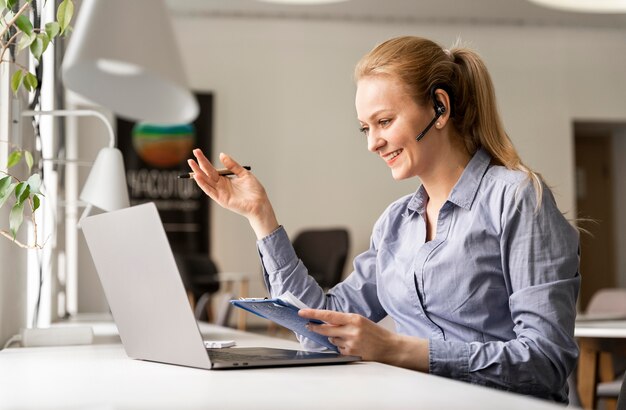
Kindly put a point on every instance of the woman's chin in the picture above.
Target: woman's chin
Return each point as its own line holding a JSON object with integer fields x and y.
{"x": 399, "y": 174}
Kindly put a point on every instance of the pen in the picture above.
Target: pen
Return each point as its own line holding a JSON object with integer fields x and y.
{"x": 222, "y": 172}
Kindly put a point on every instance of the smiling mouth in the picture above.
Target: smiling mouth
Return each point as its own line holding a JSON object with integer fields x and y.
{"x": 391, "y": 155}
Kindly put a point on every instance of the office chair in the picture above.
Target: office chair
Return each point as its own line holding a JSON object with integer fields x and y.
{"x": 324, "y": 253}
{"x": 199, "y": 275}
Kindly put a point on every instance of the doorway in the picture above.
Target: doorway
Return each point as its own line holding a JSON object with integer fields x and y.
{"x": 596, "y": 204}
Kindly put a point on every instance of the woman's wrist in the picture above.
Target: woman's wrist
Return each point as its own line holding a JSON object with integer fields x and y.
{"x": 410, "y": 353}
{"x": 264, "y": 223}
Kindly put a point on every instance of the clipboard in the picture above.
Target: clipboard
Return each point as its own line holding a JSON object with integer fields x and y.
{"x": 284, "y": 313}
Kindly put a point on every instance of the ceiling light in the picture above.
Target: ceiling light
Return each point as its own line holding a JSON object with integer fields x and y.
{"x": 585, "y": 6}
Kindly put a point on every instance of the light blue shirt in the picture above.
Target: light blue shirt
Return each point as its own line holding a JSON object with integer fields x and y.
{"x": 494, "y": 292}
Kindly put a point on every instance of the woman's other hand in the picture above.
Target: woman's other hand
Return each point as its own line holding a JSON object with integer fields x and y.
{"x": 356, "y": 335}
{"x": 242, "y": 193}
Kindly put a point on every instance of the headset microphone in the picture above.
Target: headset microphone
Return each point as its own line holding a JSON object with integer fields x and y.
{"x": 440, "y": 109}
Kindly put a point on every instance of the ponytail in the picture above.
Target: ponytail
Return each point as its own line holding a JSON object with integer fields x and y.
{"x": 478, "y": 120}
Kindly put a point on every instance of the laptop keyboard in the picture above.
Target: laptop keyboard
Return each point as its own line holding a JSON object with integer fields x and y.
{"x": 244, "y": 354}
{"x": 231, "y": 355}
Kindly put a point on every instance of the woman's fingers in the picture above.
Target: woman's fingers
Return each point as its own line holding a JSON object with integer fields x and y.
{"x": 232, "y": 165}
{"x": 202, "y": 179}
{"x": 335, "y": 322}
{"x": 328, "y": 316}
{"x": 205, "y": 165}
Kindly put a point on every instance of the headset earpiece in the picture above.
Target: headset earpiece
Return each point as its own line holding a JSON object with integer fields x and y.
{"x": 440, "y": 109}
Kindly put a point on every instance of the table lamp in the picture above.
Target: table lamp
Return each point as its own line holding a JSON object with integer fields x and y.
{"x": 122, "y": 55}
{"x": 105, "y": 187}
{"x": 136, "y": 73}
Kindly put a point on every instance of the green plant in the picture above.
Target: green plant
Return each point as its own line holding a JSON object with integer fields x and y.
{"x": 18, "y": 33}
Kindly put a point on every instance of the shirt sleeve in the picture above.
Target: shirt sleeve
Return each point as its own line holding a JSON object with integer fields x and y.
{"x": 283, "y": 271}
{"x": 539, "y": 251}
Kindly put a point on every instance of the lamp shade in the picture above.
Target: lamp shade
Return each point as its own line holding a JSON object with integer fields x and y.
{"x": 586, "y": 6}
{"x": 106, "y": 184}
{"x": 122, "y": 55}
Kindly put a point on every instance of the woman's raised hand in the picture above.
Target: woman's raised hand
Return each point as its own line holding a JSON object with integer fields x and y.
{"x": 242, "y": 193}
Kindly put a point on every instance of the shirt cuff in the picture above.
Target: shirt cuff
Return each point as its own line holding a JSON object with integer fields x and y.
{"x": 449, "y": 359}
{"x": 276, "y": 250}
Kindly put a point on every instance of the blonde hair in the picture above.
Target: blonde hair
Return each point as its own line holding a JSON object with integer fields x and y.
{"x": 423, "y": 66}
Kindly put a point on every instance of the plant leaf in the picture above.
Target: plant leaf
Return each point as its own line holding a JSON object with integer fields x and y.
{"x": 11, "y": 3}
{"x": 4, "y": 184}
{"x": 16, "y": 217}
{"x": 25, "y": 41}
{"x": 24, "y": 195}
{"x": 23, "y": 23}
{"x": 53, "y": 29}
{"x": 14, "y": 158}
{"x": 16, "y": 81}
{"x": 7, "y": 194}
{"x": 30, "y": 82}
{"x": 36, "y": 203}
{"x": 34, "y": 182}
{"x": 64, "y": 14}
{"x": 45, "y": 39}
{"x": 36, "y": 48}
{"x": 3, "y": 4}
{"x": 22, "y": 191}
{"x": 27, "y": 155}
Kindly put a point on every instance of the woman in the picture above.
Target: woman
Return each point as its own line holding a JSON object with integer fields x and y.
{"x": 478, "y": 268}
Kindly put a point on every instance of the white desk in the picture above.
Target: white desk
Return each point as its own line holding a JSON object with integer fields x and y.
{"x": 597, "y": 340}
{"x": 100, "y": 376}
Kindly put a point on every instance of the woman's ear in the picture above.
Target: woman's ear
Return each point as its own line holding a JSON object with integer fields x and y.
{"x": 442, "y": 107}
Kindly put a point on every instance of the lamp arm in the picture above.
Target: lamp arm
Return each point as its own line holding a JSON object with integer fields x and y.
{"x": 76, "y": 113}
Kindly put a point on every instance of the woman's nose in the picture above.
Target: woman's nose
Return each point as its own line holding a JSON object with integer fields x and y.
{"x": 374, "y": 142}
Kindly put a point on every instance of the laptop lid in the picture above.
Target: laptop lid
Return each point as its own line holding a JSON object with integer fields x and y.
{"x": 141, "y": 282}
{"x": 148, "y": 301}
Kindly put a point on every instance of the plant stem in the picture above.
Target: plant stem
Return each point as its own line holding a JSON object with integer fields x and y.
{"x": 11, "y": 175}
{"x": 9, "y": 236}
{"x": 10, "y": 23}
{"x": 6, "y": 46}
{"x": 23, "y": 67}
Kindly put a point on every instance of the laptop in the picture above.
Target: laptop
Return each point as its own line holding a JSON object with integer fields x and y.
{"x": 149, "y": 304}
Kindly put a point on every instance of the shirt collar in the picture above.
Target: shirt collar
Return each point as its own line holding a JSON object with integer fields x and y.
{"x": 464, "y": 191}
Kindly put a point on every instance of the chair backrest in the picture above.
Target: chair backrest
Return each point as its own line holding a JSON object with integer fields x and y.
{"x": 198, "y": 272}
{"x": 608, "y": 301}
{"x": 621, "y": 399}
{"x": 199, "y": 275}
{"x": 324, "y": 253}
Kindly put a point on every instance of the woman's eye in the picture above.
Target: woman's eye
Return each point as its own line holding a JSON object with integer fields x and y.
{"x": 364, "y": 130}
{"x": 384, "y": 122}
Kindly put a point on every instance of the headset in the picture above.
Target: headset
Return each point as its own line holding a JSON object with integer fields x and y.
{"x": 440, "y": 109}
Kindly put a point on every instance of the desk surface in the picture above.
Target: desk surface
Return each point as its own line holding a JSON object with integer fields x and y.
{"x": 601, "y": 328}
{"x": 101, "y": 376}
